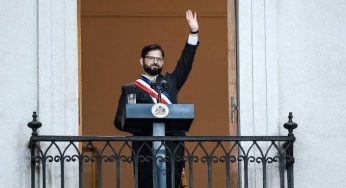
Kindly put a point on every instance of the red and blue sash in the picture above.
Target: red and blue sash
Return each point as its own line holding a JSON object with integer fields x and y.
{"x": 144, "y": 83}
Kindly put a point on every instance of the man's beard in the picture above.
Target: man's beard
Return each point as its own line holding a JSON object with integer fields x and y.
{"x": 152, "y": 70}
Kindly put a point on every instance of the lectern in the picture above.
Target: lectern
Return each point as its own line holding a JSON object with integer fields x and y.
{"x": 160, "y": 119}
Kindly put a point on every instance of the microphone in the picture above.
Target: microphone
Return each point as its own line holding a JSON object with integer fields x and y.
{"x": 153, "y": 85}
{"x": 164, "y": 84}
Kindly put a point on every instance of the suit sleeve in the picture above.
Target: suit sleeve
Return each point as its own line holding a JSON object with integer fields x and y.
{"x": 120, "y": 114}
{"x": 184, "y": 65}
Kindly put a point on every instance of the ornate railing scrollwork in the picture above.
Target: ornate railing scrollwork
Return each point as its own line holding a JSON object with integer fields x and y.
{"x": 243, "y": 153}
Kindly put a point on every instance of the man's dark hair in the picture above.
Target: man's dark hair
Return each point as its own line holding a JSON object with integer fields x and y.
{"x": 151, "y": 47}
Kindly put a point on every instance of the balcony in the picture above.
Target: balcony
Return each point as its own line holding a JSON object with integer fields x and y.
{"x": 209, "y": 161}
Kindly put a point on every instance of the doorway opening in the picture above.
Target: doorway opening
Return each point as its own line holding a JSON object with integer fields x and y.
{"x": 112, "y": 35}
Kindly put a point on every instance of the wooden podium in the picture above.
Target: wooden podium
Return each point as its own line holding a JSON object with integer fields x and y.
{"x": 146, "y": 117}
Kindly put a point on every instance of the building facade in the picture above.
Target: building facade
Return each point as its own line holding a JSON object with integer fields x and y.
{"x": 290, "y": 59}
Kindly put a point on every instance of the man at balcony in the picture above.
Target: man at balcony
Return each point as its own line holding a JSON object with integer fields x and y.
{"x": 152, "y": 61}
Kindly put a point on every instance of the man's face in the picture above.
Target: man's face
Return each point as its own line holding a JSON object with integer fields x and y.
{"x": 152, "y": 63}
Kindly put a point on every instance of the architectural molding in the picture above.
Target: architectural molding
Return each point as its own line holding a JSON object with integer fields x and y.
{"x": 258, "y": 77}
{"x": 58, "y": 75}
{"x": 258, "y": 69}
{"x": 151, "y": 14}
{"x": 58, "y": 66}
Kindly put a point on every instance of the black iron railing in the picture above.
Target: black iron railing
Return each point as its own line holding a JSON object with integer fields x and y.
{"x": 233, "y": 157}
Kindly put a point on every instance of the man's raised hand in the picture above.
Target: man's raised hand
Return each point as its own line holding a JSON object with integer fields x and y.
{"x": 192, "y": 20}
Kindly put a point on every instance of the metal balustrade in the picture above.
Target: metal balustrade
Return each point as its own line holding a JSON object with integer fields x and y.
{"x": 236, "y": 156}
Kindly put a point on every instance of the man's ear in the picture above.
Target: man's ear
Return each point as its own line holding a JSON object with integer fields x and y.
{"x": 141, "y": 61}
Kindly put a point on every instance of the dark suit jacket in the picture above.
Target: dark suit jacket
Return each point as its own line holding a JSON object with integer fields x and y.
{"x": 175, "y": 81}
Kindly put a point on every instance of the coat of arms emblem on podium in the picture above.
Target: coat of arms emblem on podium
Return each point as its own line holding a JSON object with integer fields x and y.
{"x": 160, "y": 110}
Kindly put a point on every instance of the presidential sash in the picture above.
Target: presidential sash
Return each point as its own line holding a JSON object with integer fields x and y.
{"x": 144, "y": 83}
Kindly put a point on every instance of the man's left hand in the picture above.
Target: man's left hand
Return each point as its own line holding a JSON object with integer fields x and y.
{"x": 192, "y": 20}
